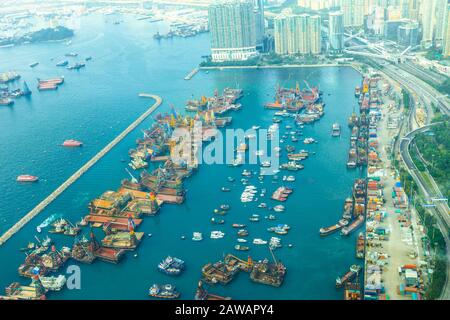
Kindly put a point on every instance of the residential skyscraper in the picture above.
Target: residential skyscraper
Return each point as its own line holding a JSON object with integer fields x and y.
{"x": 440, "y": 21}
{"x": 260, "y": 24}
{"x": 413, "y": 9}
{"x": 297, "y": 34}
{"x": 315, "y": 34}
{"x": 353, "y": 12}
{"x": 233, "y": 30}
{"x": 446, "y": 42}
{"x": 428, "y": 12}
{"x": 336, "y": 31}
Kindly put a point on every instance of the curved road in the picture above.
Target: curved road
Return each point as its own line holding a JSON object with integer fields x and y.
{"x": 441, "y": 211}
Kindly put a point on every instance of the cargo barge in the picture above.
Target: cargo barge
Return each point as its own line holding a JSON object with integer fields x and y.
{"x": 349, "y": 276}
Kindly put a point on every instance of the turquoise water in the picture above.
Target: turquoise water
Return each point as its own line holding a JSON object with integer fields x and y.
{"x": 99, "y": 101}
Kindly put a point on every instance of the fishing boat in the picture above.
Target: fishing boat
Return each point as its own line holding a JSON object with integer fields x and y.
{"x": 30, "y": 246}
{"x": 166, "y": 291}
{"x": 279, "y": 208}
{"x": 217, "y": 234}
{"x": 217, "y": 221}
{"x": 309, "y": 141}
{"x": 336, "y": 130}
{"x": 254, "y": 218}
{"x": 259, "y": 241}
{"x": 241, "y": 248}
{"x": 242, "y": 233}
{"x": 275, "y": 243}
{"x": 266, "y": 164}
{"x": 238, "y": 225}
{"x": 242, "y": 240}
{"x": 291, "y": 166}
{"x": 197, "y": 236}
{"x": 225, "y": 207}
{"x": 171, "y": 266}
{"x": 62, "y": 63}
{"x": 290, "y": 178}
{"x": 76, "y": 66}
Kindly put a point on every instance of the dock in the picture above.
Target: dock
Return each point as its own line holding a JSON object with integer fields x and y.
{"x": 41, "y": 206}
{"x": 192, "y": 74}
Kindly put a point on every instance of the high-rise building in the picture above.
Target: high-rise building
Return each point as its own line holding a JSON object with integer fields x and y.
{"x": 428, "y": 12}
{"x": 260, "y": 24}
{"x": 297, "y": 34}
{"x": 336, "y": 32}
{"x": 315, "y": 35}
{"x": 446, "y": 42}
{"x": 441, "y": 21}
{"x": 353, "y": 12}
{"x": 413, "y": 9}
{"x": 233, "y": 30}
{"x": 280, "y": 24}
{"x": 408, "y": 34}
{"x": 317, "y": 4}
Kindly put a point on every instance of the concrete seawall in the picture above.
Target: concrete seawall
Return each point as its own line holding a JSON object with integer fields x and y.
{"x": 41, "y": 206}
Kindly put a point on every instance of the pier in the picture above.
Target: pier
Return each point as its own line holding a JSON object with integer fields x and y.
{"x": 41, "y": 206}
{"x": 192, "y": 74}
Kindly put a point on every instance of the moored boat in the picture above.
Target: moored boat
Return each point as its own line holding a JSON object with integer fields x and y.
{"x": 27, "y": 178}
{"x": 166, "y": 291}
{"x": 72, "y": 143}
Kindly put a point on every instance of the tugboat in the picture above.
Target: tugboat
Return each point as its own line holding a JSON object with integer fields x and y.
{"x": 166, "y": 291}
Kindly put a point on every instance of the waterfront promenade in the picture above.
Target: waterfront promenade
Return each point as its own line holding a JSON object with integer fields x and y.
{"x": 41, "y": 206}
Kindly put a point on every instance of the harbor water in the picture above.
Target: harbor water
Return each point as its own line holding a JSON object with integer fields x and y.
{"x": 99, "y": 101}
